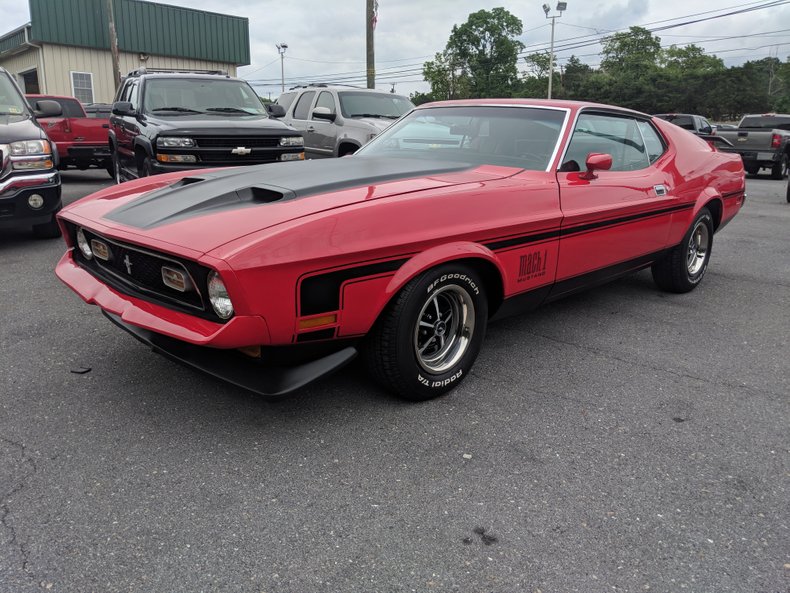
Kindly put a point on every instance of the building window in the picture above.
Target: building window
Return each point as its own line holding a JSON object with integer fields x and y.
{"x": 82, "y": 86}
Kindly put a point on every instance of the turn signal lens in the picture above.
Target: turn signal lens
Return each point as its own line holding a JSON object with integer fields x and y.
{"x": 317, "y": 321}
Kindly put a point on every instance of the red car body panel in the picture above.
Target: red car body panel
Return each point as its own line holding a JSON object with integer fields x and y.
{"x": 538, "y": 235}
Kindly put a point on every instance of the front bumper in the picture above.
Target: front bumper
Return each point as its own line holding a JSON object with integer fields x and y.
{"x": 15, "y": 191}
{"x": 200, "y": 343}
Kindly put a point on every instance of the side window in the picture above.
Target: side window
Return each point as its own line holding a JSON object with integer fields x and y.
{"x": 325, "y": 99}
{"x": 705, "y": 126}
{"x": 124, "y": 94}
{"x": 302, "y": 109}
{"x": 653, "y": 143}
{"x": 133, "y": 98}
{"x": 607, "y": 134}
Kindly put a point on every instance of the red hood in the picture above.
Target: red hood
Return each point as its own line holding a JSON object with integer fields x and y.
{"x": 202, "y": 210}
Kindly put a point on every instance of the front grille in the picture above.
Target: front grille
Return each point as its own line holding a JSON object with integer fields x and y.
{"x": 7, "y": 210}
{"x": 137, "y": 271}
{"x": 234, "y": 141}
{"x": 225, "y": 157}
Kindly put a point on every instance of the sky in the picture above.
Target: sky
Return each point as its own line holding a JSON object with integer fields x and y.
{"x": 326, "y": 38}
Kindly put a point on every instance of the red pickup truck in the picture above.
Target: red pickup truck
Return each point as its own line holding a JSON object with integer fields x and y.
{"x": 81, "y": 141}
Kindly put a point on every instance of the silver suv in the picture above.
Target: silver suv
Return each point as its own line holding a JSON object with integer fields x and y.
{"x": 337, "y": 120}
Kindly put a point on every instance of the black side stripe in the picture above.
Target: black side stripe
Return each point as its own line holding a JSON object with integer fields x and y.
{"x": 732, "y": 194}
{"x": 321, "y": 293}
{"x": 583, "y": 228}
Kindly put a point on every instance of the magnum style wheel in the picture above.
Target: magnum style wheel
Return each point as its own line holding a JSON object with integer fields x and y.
{"x": 427, "y": 339}
{"x": 682, "y": 269}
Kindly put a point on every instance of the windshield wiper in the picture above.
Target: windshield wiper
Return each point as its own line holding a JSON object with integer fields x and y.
{"x": 367, "y": 115}
{"x": 230, "y": 110}
{"x": 180, "y": 109}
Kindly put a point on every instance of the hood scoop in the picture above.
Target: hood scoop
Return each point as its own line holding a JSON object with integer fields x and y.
{"x": 192, "y": 196}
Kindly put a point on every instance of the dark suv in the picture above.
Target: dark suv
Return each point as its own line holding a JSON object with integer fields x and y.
{"x": 166, "y": 121}
{"x": 29, "y": 180}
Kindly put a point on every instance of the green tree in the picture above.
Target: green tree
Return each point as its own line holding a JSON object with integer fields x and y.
{"x": 447, "y": 79}
{"x": 632, "y": 52}
{"x": 692, "y": 58}
{"x": 486, "y": 50}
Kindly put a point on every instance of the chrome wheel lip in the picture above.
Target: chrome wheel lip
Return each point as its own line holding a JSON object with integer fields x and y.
{"x": 444, "y": 328}
{"x": 698, "y": 245}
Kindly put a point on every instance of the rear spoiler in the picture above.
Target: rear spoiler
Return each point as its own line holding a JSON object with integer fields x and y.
{"x": 717, "y": 142}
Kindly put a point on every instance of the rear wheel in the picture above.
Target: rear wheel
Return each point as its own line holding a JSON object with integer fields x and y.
{"x": 428, "y": 338}
{"x": 682, "y": 269}
{"x": 779, "y": 170}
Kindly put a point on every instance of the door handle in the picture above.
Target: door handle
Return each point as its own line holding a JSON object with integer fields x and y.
{"x": 310, "y": 129}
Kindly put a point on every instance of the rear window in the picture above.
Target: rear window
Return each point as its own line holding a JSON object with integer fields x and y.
{"x": 683, "y": 121}
{"x": 781, "y": 122}
{"x": 71, "y": 107}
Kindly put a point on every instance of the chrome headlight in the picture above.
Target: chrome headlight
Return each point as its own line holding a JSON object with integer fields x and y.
{"x": 30, "y": 147}
{"x": 174, "y": 142}
{"x": 218, "y": 295}
{"x": 291, "y": 141}
{"x": 83, "y": 244}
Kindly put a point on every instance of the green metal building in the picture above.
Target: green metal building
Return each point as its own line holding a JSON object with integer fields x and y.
{"x": 65, "y": 49}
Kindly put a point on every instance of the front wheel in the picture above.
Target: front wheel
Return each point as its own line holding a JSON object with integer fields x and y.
{"x": 428, "y": 338}
{"x": 682, "y": 269}
{"x": 779, "y": 170}
{"x": 116, "y": 168}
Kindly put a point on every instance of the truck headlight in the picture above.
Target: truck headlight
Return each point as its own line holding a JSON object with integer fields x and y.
{"x": 30, "y": 147}
{"x": 218, "y": 295}
{"x": 291, "y": 141}
{"x": 174, "y": 142}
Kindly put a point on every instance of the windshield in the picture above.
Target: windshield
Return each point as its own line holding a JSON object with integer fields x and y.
{"x": 781, "y": 122}
{"x": 174, "y": 96}
{"x": 523, "y": 137}
{"x": 385, "y": 105}
{"x": 11, "y": 102}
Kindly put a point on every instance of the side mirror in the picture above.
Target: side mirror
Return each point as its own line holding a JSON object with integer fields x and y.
{"x": 275, "y": 110}
{"x": 122, "y": 108}
{"x": 47, "y": 108}
{"x": 596, "y": 161}
{"x": 324, "y": 113}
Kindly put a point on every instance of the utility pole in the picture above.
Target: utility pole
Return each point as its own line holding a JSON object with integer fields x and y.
{"x": 281, "y": 47}
{"x": 116, "y": 68}
{"x": 371, "y": 17}
{"x": 561, "y": 6}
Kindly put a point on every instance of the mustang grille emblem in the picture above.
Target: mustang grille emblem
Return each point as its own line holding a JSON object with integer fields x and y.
{"x": 128, "y": 263}
{"x": 240, "y": 150}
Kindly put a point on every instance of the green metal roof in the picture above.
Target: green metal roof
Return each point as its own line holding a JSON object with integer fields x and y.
{"x": 12, "y": 39}
{"x": 158, "y": 29}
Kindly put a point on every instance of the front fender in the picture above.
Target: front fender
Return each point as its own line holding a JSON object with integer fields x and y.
{"x": 439, "y": 255}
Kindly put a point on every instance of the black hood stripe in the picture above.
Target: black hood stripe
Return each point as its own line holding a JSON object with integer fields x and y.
{"x": 219, "y": 191}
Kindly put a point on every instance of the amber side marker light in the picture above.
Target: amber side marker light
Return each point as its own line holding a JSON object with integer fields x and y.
{"x": 317, "y": 321}
{"x": 251, "y": 351}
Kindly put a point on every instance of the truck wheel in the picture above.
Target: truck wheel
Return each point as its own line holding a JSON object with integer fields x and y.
{"x": 788, "y": 192}
{"x": 147, "y": 169}
{"x": 116, "y": 168}
{"x": 779, "y": 170}
{"x": 48, "y": 230}
{"x": 682, "y": 269}
{"x": 428, "y": 338}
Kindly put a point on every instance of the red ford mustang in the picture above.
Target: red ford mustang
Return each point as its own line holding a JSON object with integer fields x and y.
{"x": 461, "y": 212}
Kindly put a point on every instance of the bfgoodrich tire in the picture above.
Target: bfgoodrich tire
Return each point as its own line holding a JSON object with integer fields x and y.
{"x": 426, "y": 341}
{"x": 682, "y": 269}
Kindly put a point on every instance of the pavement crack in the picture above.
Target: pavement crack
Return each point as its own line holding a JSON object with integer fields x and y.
{"x": 5, "y": 509}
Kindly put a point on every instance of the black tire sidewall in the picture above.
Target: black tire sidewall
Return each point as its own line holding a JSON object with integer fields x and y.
{"x": 419, "y": 382}
{"x": 706, "y": 217}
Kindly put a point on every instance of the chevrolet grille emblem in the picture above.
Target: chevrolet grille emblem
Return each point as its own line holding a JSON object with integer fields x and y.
{"x": 240, "y": 150}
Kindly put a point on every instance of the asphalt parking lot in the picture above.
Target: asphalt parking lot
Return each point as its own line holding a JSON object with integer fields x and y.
{"x": 619, "y": 440}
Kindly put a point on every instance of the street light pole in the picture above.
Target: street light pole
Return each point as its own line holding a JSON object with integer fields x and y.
{"x": 561, "y": 6}
{"x": 281, "y": 47}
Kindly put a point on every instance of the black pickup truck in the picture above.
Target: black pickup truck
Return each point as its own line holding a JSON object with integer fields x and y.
{"x": 166, "y": 121}
{"x": 29, "y": 180}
